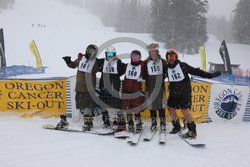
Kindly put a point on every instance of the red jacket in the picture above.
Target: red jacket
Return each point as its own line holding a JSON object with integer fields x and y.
{"x": 130, "y": 85}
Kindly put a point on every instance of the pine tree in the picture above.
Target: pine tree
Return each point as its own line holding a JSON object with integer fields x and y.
{"x": 241, "y": 23}
{"x": 5, "y": 4}
{"x": 133, "y": 16}
{"x": 179, "y": 24}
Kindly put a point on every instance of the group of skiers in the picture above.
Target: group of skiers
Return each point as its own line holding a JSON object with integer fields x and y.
{"x": 127, "y": 96}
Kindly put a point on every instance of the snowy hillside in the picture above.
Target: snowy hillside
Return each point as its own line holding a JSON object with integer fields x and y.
{"x": 61, "y": 30}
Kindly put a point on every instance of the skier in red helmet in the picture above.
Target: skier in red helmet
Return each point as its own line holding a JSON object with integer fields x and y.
{"x": 180, "y": 91}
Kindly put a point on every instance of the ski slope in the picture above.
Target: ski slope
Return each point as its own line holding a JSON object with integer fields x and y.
{"x": 66, "y": 30}
{"x": 24, "y": 143}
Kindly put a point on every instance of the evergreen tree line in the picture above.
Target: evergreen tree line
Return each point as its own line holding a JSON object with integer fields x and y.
{"x": 5, "y": 4}
{"x": 241, "y": 22}
{"x": 178, "y": 24}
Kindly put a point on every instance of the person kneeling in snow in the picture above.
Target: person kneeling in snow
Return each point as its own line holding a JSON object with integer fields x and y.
{"x": 87, "y": 67}
{"x": 180, "y": 91}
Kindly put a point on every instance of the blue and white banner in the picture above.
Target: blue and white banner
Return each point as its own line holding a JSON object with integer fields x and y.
{"x": 228, "y": 102}
{"x": 20, "y": 70}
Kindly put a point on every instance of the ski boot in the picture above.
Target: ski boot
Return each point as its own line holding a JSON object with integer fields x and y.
{"x": 163, "y": 126}
{"x": 106, "y": 121}
{"x": 119, "y": 123}
{"x": 153, "y": 125}
{"x": 138, "y": 128}
{"x": 191, "y": 134}
{"x": 88, "y": 124}
{"x": 153, "y": 116}
{"x": 176, "y": 127}
{"x": 130, "y": 123}
{"x": 63, "y": 124}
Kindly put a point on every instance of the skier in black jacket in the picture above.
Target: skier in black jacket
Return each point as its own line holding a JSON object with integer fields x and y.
{"x": 180, "y": 91}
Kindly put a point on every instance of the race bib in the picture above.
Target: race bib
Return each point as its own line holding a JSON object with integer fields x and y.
{"x": 110, "y": 67}
{"x": 155, "y": 68}
{"x": 175, "y": 74}
{"x": 86, "y": 65}
{"x": 133, "y": 72}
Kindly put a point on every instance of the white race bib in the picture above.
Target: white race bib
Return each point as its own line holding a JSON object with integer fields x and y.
{"x": 86, "y": 65}
{"x": 133, "y": 72}
{"x": 110, "y": 67}
{"x": 155, "y": 68}
{"x": 175, "y": 74}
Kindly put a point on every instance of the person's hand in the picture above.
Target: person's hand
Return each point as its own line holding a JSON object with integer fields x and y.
{"x": 215, "y": 74}
{"x": 67, "y": 59}
{"x": 79, "y": 56}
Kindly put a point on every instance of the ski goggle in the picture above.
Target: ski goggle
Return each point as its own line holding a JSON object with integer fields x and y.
{"x": 110, "y": 54}
{"x": 171, "y": 57}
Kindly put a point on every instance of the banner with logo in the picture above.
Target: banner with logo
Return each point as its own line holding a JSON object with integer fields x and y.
{"x": 33, "y": 98}
{"x": 200, "y": 97}
{"x": 228, "y": 102}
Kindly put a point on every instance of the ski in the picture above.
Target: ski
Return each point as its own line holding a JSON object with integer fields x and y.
{"x": 135, "y": 138}
{"x": 196, "y": 145}
{"x": 95, "y": 131}
{"x": 162, "y": 137}
{"x": 104, "y": 131}
{"x": 122, "y": 135}
{"x": 149, "y": 135}
{"x": 53, "y": 127}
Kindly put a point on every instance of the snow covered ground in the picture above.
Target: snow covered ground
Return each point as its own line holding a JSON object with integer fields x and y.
{"x": 23, "y": 143}
{"x": 66, "y": 30}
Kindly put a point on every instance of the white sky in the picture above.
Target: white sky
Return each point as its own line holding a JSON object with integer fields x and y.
{"x": 221, "y": 7}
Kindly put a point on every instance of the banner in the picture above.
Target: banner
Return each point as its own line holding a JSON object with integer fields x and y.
{"x": 33, "y": 97}
{"x": 35, "y": 52}
{"x": 225, "y": 57}
{"x": 200, "y": 97}
{"x": 20, "y": 70}
{"x": 228, "y": 102}
{"x": 203, "y": 58}
{"x": 2, "y": 50}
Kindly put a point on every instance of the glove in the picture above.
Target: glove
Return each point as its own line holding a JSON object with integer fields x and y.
{"x": 79, "y": 56}
{"x": 67, "y": 59}
{"x": 215, "y": 74}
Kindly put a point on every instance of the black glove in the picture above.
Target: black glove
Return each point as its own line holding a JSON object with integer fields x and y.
{"x": 215, "y": 74}
{"x": 67, "y": 59}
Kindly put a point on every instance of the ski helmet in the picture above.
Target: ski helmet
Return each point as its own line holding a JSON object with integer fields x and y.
{"x": 110, "y": 51}
{"x": 172, "y": 55}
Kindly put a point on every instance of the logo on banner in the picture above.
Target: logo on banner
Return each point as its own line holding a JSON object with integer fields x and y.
{"x": 227, "y": 104}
